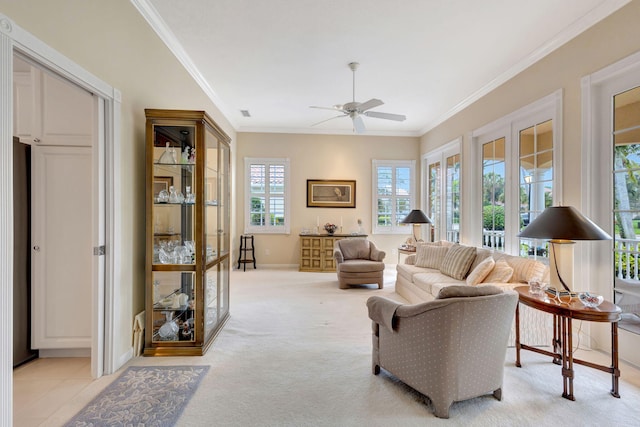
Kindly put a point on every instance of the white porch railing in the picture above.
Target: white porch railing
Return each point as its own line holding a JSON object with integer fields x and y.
{"x": 626, "y": 253}
{"x": 493, "y": 239}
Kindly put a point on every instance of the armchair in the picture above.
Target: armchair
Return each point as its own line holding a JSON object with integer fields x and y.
{"x": 358, "y": 262}
{"x": 449, "y": 349}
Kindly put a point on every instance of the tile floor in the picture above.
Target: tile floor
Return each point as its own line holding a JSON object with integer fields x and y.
{"x": 43, "y": 389}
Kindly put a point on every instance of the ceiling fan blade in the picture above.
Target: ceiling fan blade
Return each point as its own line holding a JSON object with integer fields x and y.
{"x": 388, "y": 116}
{"x": 330, "y": 118}
{"x": 334, "y": 108}
{"x": 358, "y": 124}
{"x": 367, "y": 105}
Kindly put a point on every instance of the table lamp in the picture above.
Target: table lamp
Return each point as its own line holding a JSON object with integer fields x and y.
{"x": 562, "y": 225}
{"x": 416, "y": 217}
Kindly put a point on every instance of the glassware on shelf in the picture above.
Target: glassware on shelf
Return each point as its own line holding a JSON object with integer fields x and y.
{"x": 163, "y": 196}
{"x": 169, "y": 330}
{"x": 169, "y": 155}
{"x": 185, "y": 155}
{"x": 190, "y": 198}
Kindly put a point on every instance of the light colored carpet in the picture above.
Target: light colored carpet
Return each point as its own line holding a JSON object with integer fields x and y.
{"x": 142, "y": 396}
{"x": 297, "y": 352}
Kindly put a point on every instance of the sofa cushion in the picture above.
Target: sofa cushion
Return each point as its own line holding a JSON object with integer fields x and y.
{"x": 481, "y": 271}
{"x": 457, "y": 291}
{"x": 457, "y": 261}
{"x": 360, "y": 266}
{"x": 354, "y": 248}
{"x": 430, "y": 256}
{"x": 425, "y": 281}
{"x": 526, "y": 269}
{"x": 501, "y": 272}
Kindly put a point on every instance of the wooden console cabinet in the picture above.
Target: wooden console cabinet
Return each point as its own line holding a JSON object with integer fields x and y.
{"x": 316, "y": 250}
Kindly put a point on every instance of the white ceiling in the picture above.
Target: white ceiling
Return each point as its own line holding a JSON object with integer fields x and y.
{"x": 426, "y": 59}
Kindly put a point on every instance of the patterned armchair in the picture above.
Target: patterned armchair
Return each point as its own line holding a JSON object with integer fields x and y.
{"x": 449, "y": 349}
{"x": 358, "y": 262}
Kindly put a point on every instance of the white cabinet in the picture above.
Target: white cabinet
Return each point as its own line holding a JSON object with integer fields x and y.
{"x": 49, "y": 110}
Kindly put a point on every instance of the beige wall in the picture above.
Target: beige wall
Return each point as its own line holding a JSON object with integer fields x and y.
{"x": 607, "y": 42}
{"x": 320, "y": 157}
{"x": 111, "y": 40}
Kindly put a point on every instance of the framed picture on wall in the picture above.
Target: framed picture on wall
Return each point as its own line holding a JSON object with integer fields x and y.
{"x": 325, "y": 193}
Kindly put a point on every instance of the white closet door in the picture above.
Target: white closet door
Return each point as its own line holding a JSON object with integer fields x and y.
{"x": 62, "y": 247}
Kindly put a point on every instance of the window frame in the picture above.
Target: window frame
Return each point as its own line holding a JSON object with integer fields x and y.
{"x": 399, "y": 228}
{"x": 509, "y": 126}
{"x": 267, "y": 228}
{"x": 440, "y": 155}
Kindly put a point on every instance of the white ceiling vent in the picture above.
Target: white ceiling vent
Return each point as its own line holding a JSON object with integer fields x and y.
{"x": 245, "y": 113}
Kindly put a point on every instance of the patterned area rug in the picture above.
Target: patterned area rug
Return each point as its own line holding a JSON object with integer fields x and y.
{"x": 143, "y": 396}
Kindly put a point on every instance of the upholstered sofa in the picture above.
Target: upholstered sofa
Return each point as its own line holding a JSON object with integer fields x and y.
{"x": 437, "y": 265}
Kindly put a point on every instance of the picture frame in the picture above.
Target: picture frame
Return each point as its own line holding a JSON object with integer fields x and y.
{"x": 161, "y": 183}
{"x": 326, "y": 193}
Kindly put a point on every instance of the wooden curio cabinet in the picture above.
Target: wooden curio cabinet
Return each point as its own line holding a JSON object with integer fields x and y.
{"x": 187, "y": 229}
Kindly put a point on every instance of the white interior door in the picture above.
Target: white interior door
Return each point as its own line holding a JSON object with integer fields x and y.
{"x": 62, "y": 249}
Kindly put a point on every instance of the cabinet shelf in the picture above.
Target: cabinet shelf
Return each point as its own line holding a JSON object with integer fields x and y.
{"x": 183, "y": 232}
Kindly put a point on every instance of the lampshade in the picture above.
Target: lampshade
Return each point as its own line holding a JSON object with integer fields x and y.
{"x": 563, "y": 223}
{"x": 416, "y": 216}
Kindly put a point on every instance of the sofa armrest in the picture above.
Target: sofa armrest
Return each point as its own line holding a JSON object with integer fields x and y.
{"x": 382, "y": 310}
{"x": 337, "y": 255}
{"x": 410, "y": 260}
{"x": 376, "y": 254}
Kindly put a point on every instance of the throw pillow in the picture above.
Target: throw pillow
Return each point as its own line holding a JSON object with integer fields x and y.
{"x": 526, "y": 269}
{"x": 457, "y": 261}
{"x": 481, "y": 271}
{"x": 456, "y": 291}
{"x": 430, "y": 256}
{"x": 501, "y": 273}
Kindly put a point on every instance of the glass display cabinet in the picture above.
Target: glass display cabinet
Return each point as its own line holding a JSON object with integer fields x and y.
{"x": 187, "y": 228}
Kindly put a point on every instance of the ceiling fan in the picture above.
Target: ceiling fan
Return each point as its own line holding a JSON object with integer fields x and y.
{"x": 356, "y": 110}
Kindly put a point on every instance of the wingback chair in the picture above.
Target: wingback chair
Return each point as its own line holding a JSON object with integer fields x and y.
{"x": 450, "y": 349}
{"x": 358, "y": 262}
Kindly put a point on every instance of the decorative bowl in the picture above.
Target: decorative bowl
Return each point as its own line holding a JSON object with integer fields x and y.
{"x": 590, "y": 300}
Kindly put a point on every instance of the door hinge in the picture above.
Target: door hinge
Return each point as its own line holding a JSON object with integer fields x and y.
{"x": 99, "y": 250}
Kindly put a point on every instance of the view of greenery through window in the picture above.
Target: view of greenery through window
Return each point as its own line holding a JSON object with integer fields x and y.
{"x": 394, "y": 194}
{"x": 267, "y": 195}
{"x": 536, "y": 181}
{"x": 626, "y": 209}
{"x": 493, "y": 193}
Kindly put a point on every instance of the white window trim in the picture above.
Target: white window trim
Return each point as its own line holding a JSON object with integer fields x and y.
{"x": 547, "y": 108}
{"x": 248, "y": 228}
{"x": 441, "y": 154}
{"x": 374, "y": 195}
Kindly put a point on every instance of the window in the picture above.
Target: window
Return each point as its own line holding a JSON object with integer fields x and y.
{"x": 267, "y": 192}
{"x": 452, "y": 191}
{"x": 442, "y": 191}
{"x": 433, "y": 199}
{"x": 536, "y": 181}
{"x": 626, "y": 206}
{"x": 518, "y": 156}
{"x": 493, "y": 194}
{"x": 393, "y": 195}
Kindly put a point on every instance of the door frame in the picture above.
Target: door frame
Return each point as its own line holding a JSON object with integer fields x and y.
{"x": 14, "y": 39}
{"x": 597, "y": 184}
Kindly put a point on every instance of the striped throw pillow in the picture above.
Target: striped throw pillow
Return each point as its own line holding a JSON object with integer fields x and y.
{"x": 457, "y": 261}
{"x": 430, "y": 256}
{"x": 501, "y": 273}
